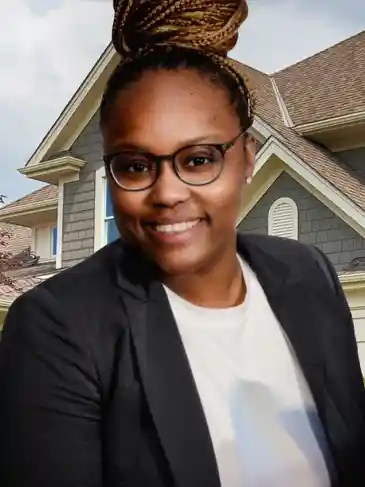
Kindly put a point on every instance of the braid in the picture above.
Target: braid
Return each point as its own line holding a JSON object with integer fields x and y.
{"x": 179, "y": 33}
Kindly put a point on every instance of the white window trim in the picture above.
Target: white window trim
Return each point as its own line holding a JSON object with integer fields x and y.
{"x": 100, "y": 209}
{"x": 54, "y": 256}
{"x": 49, "y": 229}
{"x": 293, "y": 207}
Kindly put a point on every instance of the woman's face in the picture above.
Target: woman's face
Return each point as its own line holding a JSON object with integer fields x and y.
{"x": 161, "y": 113}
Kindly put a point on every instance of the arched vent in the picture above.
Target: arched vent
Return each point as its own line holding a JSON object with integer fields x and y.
{"x": 283, "y": 219}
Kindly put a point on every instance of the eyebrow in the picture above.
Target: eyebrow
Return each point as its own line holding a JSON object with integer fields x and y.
{"x": 206, "y": 139}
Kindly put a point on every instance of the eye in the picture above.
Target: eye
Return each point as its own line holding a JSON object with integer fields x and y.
{"x": 131, "y": 164}
{"x": 137, "y": 167}
{"x": 200, "y": 156}
{"x": 198, "y": 160}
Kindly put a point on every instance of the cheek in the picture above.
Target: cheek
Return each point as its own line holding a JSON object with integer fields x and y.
{"x": 128, "y": 209}
{"x": 225, "y": 196}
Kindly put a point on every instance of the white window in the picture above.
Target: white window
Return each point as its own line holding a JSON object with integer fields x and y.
{"x": 283, "y": 219}
{"x": 105, "y": 227}
{"x": 45, "y": 242}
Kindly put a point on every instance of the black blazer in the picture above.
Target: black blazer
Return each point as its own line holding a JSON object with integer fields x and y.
{"x": 96, "y": 389}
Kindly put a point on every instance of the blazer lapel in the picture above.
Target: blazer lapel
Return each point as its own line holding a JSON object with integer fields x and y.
{"x": 164, "y": 368}
{"x": 170, "y": 390}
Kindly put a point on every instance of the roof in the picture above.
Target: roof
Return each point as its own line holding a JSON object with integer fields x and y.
{"x": 44, "y": 195}
{"x": 20, "y": 238}
{"x": 327, "y": 85}
{"x": 324, "y": 85}
{"x": 25, "y": 278}
{"x": 9, "y": 293}
{"x": 322, "y": 161}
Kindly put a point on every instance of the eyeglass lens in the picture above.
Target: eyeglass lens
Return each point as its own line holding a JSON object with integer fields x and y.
{"x": 195, "y": 165}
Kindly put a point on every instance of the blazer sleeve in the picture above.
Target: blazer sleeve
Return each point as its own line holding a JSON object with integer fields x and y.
{"x": 49, "y": 398}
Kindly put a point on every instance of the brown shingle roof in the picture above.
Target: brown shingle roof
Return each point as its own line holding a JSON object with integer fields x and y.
{"x": 42, "y": 195}
{"x": 10, "y": 293}
{"x": 326, "y": 85}
{"x": 20, "y": 238}
{"x": 320, "y": 160}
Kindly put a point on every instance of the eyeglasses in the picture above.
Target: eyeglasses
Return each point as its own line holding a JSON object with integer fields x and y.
{"x": 196, "y": 165}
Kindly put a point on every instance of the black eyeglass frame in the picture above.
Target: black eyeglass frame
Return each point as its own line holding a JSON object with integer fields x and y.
{"x": 157, "y": 160}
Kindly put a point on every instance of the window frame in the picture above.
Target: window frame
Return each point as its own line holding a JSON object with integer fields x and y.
{"x": 54, "y": 241}
{"x": 101, "y": 219}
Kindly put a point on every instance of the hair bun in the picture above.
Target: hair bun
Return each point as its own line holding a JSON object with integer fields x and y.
{"x": 207, "y": 25}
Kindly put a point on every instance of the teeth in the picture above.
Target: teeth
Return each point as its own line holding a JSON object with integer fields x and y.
{"x": 176, "y": 227}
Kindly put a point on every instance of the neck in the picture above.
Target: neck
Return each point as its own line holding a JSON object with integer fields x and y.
{"x": 218, "y": 285}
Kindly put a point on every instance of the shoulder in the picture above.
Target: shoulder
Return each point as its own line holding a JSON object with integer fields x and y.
{"x": 304, "y": 262}
{"x": 77, "y": 313}
{"x": 276, "y": 246}
{"x": 77, "y": 295}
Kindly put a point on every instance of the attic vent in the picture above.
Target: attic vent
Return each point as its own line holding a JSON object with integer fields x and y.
{"x": 283, "y": 219}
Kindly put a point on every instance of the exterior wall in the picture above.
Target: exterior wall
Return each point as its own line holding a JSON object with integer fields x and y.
{"x": 2, "y": 318}
{"x": 354, "y": 158}
{"x": 318, "y": 225}
{"x": 79, "y": 198}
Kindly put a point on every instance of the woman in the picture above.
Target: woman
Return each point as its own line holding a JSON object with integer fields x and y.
{"x": 182, "y": 355}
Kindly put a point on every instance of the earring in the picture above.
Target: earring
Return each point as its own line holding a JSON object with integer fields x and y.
{"x": 248, "y": 180}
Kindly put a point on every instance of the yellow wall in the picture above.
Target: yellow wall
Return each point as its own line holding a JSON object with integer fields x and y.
{"x": 2, "y": 317}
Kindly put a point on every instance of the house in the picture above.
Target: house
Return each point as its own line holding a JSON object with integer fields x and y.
{"x": 309, "y": 182}
{"x": 31, "y": 226}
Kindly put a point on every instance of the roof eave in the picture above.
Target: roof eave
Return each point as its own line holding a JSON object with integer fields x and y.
{"x": 5, "y": 303}
{"x": 62, "y": 133}
{"x": 353, "y": 281}
{"x": 335, "y": 123}
{"x": 53, "y": 170}
{"x": 20, "y": 215}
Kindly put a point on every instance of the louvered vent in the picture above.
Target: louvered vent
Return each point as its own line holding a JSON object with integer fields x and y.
{"x": 283, "y": 219}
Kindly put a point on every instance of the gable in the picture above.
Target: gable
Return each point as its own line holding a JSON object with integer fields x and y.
{"x": 355, "y": 159}
{"x": 317, "y": 224}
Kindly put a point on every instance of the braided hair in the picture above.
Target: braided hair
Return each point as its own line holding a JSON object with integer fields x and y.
{"x": 179, "y": 34}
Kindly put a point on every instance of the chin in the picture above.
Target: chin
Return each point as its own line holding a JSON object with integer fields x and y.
{"x": 179, "y": 263}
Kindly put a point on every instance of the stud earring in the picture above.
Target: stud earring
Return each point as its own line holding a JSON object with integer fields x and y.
{"x": 248, "y": 180}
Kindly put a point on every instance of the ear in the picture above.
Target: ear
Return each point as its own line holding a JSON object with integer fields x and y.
{"x": 249, "y": 146}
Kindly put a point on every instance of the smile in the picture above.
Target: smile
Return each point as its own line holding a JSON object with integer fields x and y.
{"x": 174, "y": 228}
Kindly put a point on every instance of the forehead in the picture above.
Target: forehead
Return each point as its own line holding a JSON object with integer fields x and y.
{"x": 164, "y": 109}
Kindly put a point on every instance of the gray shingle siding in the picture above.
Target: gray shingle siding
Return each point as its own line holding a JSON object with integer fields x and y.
{"x": 355, "y": 158}
{"x": 79, "y": 198}
{"x": 318, "y": 225}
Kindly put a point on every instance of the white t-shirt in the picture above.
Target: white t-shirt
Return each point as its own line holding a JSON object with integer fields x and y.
{"x": 261, "y": 416}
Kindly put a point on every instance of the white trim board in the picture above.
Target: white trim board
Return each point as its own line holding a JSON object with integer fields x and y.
{"x": 99, "y": 213}
{"x": 253, "y": 194}
{"x": 101, "y": 69}
{"x": 330, "y": 196}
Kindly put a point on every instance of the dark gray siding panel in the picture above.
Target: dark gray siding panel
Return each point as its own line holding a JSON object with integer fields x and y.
{"x": 355, "y": 158}
{"x": 79, "y": 198}
{"x": 318, "y": 225}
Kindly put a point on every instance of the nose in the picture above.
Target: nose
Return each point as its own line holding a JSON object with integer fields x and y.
{"x": 168, "y": 190}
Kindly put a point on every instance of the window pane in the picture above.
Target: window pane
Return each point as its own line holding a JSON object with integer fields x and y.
{"x": 54, "y": 241}
{"x": 108, "y": 203}
{"x": 111, "y": 230}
